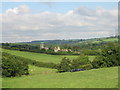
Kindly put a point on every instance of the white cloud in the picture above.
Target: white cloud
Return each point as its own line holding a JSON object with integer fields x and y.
{"x": 26, "y": 26}
{"x": 19, "y": 10}
{"x": 14, "y": 10}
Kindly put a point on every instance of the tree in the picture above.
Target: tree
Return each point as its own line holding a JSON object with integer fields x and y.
{"x": 64, "y": 65}
{"x": 81, "y": 62}
{"x": 108, "y": 57}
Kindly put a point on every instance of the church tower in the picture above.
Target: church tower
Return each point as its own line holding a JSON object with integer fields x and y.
{"x": 41, "y": 45}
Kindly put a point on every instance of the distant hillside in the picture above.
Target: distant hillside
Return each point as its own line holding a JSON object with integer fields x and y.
{"x": 93, "y": 40}
{"x": 56, "y": 41}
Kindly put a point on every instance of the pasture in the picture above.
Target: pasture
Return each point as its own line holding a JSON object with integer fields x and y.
{"x": 42, "y": 57}
{"x": 105, "y": 40}
{"x": 48, "y": 78}
{"x": 39, "y": 56}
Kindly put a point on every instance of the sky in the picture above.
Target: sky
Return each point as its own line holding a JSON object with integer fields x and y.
{"x": 28, "y": 21}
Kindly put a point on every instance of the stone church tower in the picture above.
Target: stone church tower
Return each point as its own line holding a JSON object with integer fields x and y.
{"x": 42, "y": 46}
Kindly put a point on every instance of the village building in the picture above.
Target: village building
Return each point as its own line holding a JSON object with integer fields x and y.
{"x": 66, "y": 50}
{"x": 43, "y": 47}
{"x": 56, "y": 49}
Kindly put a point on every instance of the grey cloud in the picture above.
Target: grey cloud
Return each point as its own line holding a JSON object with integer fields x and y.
{"x": 84, "y": 11}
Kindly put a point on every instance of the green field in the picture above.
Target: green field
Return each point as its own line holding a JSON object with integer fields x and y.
{"x": 105, "y": 40}
{"x": 110, "y": 39}
{"x": 42, "y": 57}
{"x": 39, "y": 56}
{"x": 48, "y": 78}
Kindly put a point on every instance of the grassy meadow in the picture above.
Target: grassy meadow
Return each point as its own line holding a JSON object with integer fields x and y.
{"x": 48, "y": 78}
{"x": 42, "y": 57}
{"x": 39, "y": 56}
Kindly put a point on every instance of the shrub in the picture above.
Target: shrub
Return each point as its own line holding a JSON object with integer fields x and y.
{"x": 86, "y": 66}
{"x": 64, "y": 65}
{"x": 13, "y": 66}
{"x": 81, "y": 60}
{"x": 99, "y": 63}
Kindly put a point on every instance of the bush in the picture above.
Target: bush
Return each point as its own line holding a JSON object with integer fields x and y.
{"x": 13, "y": 66}
{"x": 86, "y": 66}
{"x": 81, "y": 60}
{"x": 98, "y": 62}
{"x": 64, "y": 65}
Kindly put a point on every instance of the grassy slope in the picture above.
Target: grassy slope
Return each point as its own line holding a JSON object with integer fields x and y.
{"x": 42, "y": 57}
{"x": 106, "y": 40}
{"x": 110, "y": 39}
{"x": 47, "y": 78}
{"x": 39, "y": 56}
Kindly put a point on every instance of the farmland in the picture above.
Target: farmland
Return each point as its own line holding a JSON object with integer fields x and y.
{"x": 39, "y": 56}
{"x": 48, "y": 78}
{"x": 42, "y": 57}
{"x": 41, "y": 77}
{"x": 51, "y": 45}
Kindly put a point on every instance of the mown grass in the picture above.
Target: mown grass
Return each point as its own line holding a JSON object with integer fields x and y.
{"x": 48, "y": 78}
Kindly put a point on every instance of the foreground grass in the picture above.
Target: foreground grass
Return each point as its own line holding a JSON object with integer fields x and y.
{"x": 36, "y": 70}
{"x": 48, "y": 78}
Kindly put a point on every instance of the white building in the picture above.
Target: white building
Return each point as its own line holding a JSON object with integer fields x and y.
{"x": 56, "y": 49}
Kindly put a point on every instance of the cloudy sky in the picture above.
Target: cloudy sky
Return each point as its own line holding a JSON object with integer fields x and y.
{"x": 29, "y": 21}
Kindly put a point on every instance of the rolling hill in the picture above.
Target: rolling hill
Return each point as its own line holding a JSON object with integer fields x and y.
{"x": 73, "y": 41}
{"x": 48, "y": 78}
